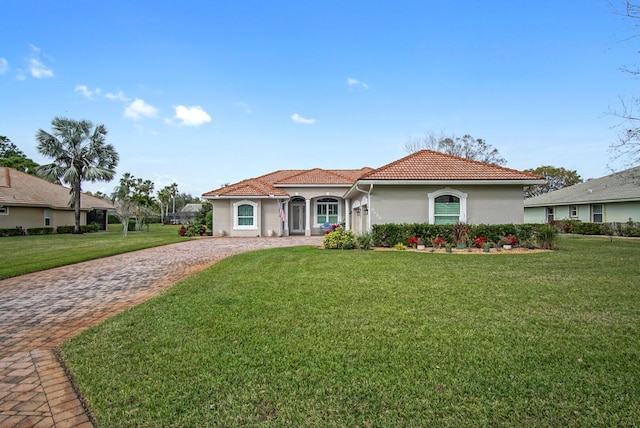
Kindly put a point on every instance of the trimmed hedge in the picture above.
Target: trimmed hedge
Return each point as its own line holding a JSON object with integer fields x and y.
{"x": 388, "y": 235}
{"x": 85, "y": 228}
{"x": 14, "y": 231}
{"x": 629, "y": 228}
{"x": 40, "y": 231}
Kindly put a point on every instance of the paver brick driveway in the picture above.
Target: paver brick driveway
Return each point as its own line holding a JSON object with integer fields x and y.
{"x": 41, "y": 310}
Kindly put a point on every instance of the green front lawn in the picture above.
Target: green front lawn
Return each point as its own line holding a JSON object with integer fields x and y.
{"x": 310, "y": 337}
{"x": 25, "y": 254}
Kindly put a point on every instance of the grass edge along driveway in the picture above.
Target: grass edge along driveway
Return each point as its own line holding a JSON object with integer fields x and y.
{"x": 303, "y": 336}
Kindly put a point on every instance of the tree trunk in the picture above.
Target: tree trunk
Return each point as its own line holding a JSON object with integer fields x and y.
{"x": 76, "y": 190}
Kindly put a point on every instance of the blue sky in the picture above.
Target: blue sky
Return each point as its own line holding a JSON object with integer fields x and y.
{"x": 206, "y": 92}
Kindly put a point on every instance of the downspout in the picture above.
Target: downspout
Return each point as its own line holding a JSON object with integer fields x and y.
{"x": 368, "y": 193}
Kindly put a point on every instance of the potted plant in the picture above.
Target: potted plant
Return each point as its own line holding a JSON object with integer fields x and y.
{"x": 448, "y": 247}
{"x": 421, "y": 244}
{"x": 508, "y": 241}
{"x": 486, "y": 246}
{"x": 438, "y": 242}
{"x": 413, "y": 242}
{"x": 460, "y": 234}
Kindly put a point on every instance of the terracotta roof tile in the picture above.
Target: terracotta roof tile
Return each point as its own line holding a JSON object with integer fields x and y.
{"x": 267, "y": 184}
{"x": 20, "y": 189}
{"x": 431, "y": 165}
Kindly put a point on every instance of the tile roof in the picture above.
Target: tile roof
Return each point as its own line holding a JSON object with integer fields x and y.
{"x": 621, "y": 186}
{"x": 269, "y": 184}
{"x": 424, "y": 165}
{"x": 430, "y": 165}
{"x": 20, "y": 189}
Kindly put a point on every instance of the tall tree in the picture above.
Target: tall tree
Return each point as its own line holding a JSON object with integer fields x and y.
{"x": 464, "y": 147}
{"x": 11, "y": 156}
{"x": 164, "y": 196}
{"x": 80, "y": 153}
{"x": 627, "y": 147}
{"x": 557, "y": 178}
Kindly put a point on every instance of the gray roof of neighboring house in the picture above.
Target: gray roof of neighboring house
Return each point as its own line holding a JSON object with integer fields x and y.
{"x": 191, "y": 208}
{"x": 20, "y": 189}
{"x": 622, "y": 186}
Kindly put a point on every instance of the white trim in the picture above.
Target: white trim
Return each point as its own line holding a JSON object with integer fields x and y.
{"x": 447, "y": 191}
{"x": 255, "y": 206}
{"x": 315, "y": 209}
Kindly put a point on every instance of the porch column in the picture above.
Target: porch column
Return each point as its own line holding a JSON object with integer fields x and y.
{"x": 307, "y": 220}
{"x": 286, "y": 216}
{"x": 347, "y": 214}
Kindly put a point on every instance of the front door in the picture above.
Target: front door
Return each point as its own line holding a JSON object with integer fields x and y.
{"x": 297, "y": 218}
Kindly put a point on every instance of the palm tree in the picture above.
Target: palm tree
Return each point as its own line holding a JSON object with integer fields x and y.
{"x": 79, "y": 154}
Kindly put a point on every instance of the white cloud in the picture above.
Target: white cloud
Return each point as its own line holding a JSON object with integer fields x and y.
{"x": 355, "y": 82}
{"x": 36, "y": 67}
{"x": 191, "y": 116}
{"x": 116, "y": 97}
{"x": 246, "y": 107}
{"x": 299, "y": 119}
{"x": 39, "y": 70}
{"x": 139, "y": 109}
{"x": 4, "y": 65}
{"x": 86, "y": 91}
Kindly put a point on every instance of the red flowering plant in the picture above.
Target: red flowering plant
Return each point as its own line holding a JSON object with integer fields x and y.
{"x": 438, "y": 242}
{"x": 413, "y": 241}
{"x": 509, "y": 240}
{"x": 478, "y": 241}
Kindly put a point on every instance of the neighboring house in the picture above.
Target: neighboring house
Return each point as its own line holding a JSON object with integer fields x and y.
{"x": 424, "y": 187}
{"x": 614, "y": 198}
{"x": 188, "y": 213}
{"x": 27, "y": 201}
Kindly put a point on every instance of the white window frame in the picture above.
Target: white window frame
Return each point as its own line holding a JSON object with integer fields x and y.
{"x": 4, "y": 210}
{"x": 317, "y": 203}
{"x": 594, "y": 213}
{"x": 550, "y": 214}
{"x": 47, "y": 217}
{"x": 573, "y": 211}
{"x": 237, "y": 226}
{"x": 448, "y": 191}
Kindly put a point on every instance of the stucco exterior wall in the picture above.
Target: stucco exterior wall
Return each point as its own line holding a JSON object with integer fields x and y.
{"x": 410, "y": 204}
{"x": 28, "y": 217}
{"x": 221, "y": 217}
{"x": 622, "y": 212}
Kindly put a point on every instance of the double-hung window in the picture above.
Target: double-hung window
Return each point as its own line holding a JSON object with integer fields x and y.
{"x": 47, "y": 217}
{"x": 4, "y": 210}
{"x": 550, "y": 214}
{"x": 597, "y": 213}
{"x": 573, "y": 211}
{"x": 326, "y": 211}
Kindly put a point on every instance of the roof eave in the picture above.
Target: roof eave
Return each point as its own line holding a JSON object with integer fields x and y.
{"x": 218, "y": 197}
{"x": 524, "y": 182}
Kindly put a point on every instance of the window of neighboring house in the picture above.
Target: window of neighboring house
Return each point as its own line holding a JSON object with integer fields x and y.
{"x": 550, "y": 214}
{"x": 245, "y": 215}
{"x": 447, "y": 209}
{"x": 596, "y": 213}
{"x": 326, "y": 211}
{"x": 47, "y": 217}
{"x": 573, "y": 211}
{"x": 4, "y": 210}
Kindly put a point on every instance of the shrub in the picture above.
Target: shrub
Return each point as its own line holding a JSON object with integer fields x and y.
{"x": 194, "y": 229}
{"x": 40, "y": 231}
{"x": 339, "y": 239}
{"x": 13, "y": 231}
{"x": 364, "y": 241}
{"x": 547, "y": 237}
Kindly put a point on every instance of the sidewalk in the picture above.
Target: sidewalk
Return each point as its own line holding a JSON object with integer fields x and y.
{"x": 39, "y": 311}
